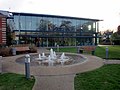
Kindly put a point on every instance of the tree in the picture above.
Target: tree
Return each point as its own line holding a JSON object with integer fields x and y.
{"x": 115, "y": 38}
{"x": 43, "y": 26}
{"x": 66, "y": 25}
{"x": 105, "y": 37}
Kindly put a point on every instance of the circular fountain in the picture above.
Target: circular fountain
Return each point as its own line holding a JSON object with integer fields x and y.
{"x": 53, "y": 59}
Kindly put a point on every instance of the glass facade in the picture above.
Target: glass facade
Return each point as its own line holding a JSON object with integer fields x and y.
{"x": 49, "y": 30}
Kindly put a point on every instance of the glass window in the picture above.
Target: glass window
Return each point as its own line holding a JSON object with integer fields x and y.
{"x": 28, "y": 23}
{"x": 94, "y": 25}
{"x": 43, "y": 26}
{"x": 16, "y": 21}
{"x": 73, "y": 24}
{"x": 85, "y": 24}
{"x": 50, "y": 24}
{"x": 34, "y": 23}
{"x": 89, "y": 27}
{"x": 55, "y": 21}
{"x": 38, "y": 21}
{"x": 22, "y": 23}
{"x": 59, "y": 22}
{"x": 78, "y": 25}
{"x": 11, "y": 24}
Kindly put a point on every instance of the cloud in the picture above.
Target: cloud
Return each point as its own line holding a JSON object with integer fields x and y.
{"x": 107, "y": 10}
{"x": 10, "y": 5}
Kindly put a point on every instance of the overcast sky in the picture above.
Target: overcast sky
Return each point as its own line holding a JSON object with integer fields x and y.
{"x": 107, "y": 10}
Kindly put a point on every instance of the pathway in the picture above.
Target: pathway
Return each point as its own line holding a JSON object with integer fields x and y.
{"x": 111, "y": 61}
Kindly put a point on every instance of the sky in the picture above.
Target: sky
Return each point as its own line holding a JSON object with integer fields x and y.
{"x": 106, "y": 10}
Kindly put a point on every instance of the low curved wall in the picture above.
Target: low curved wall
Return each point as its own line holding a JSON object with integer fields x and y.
{"x": 91, "y": 63}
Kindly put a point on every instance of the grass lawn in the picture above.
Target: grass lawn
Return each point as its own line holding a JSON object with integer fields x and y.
{"x": 104, "y": 78}
{"x": 10, "y": 81}
{"x": 114, "y": 51}
{"x": 68, "y": 49}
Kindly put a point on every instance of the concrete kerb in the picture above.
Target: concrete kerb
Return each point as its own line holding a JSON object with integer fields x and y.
{"x": 111, "y": 61}
{"x": 68, "y": 69}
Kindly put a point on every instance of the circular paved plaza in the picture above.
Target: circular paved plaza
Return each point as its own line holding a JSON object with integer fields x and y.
{"x": 52, "y": 77}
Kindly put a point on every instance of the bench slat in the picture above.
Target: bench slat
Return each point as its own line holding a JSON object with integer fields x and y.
{"x": 22, "y": 48}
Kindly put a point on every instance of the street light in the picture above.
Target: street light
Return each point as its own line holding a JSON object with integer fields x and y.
{"x": 0, "y": 64}
{"x": 27, "y": 66}
{"x": 19, "y": 28}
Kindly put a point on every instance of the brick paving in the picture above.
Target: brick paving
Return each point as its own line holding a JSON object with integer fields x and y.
{"x": 52, "y": 78}
{"x": 59, "y": 82}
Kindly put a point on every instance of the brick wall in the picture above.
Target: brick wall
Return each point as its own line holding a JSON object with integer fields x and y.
{"x": 2, "y": 30}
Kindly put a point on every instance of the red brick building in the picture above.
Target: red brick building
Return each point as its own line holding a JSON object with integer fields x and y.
{"x": 2, "y": 29}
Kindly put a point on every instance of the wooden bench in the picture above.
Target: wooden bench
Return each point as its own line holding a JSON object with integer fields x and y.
{"x": 22, "y": 49}
{"x": 91, "y": 49}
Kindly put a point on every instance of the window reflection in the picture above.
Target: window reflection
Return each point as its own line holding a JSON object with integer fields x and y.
{"x": 28, "y": 23}
{"x": 53, "y": 24}
{"x": 16, "y": 20}
{"x": 45, "y": 26}
{"x": 22, "y": 22}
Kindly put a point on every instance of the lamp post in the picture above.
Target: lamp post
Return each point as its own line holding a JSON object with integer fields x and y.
{"x": 0, "y": 64}
{"x": 81, "y": 30}
{"x": 107, "y": 52}
{"x": 27, "y": 66}
{"x": 58, "y": 48}
{"x": 19, "y": 29}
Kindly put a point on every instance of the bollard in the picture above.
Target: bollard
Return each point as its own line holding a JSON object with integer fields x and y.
{"x": 58, "y": 48}
{"x": 27, "y": 66}
{"x": 107, "y": 52}
{"x": 13, "y": 51}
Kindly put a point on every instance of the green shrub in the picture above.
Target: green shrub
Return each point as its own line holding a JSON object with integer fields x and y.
{"x": 33, "y": 49}
{"x": 6, "y": 51}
